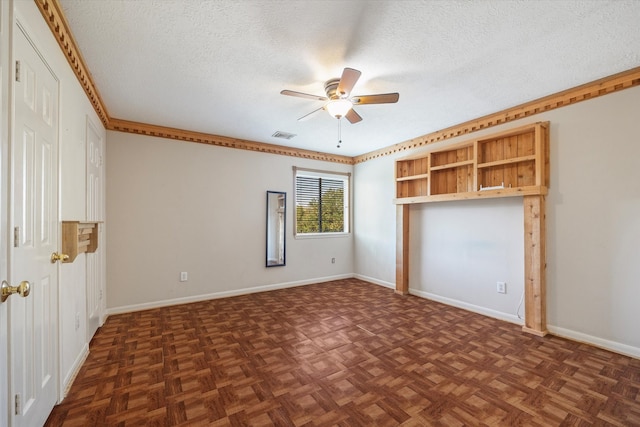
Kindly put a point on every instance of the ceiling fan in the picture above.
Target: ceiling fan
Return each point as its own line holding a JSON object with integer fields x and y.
{"x": 339, "y": 102}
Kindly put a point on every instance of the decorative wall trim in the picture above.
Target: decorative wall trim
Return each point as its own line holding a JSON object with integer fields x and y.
{"x": 604, "y": 86}
{"x": 52, "y": 13}
{"x": 222, "y": 141}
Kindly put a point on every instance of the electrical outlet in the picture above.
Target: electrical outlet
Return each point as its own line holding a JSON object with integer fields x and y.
{"x": 333, "y": 260}
{"x": 502, "y": 287}
{"x": 184, "y": 276}
{"x": 77, "y": 321}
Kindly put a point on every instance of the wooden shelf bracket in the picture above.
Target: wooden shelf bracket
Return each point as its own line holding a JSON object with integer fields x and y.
{"x": 78, "y": 237}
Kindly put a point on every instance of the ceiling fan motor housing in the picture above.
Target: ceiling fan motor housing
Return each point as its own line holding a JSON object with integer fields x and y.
{"x": 331, "y": 88}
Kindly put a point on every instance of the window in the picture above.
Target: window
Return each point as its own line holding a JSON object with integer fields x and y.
{"x": 322, "y": 202}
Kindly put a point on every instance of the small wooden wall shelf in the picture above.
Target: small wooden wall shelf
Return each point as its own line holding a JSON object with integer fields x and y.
{"x": 511, "y": 163}
{"x": 79, "y": 237}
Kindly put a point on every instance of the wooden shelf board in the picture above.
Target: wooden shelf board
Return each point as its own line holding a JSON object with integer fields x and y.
{"x": 507, "y": 161}
{"x": 452, "y": 165}
{"x": 412, "y": 177}
{"x": 533, "y": 190}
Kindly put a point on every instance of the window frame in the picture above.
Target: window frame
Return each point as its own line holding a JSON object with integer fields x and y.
{"x": 316, "y": 173}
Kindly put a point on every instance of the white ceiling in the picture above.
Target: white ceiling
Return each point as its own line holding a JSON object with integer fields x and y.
{"x": 218, "y": 66}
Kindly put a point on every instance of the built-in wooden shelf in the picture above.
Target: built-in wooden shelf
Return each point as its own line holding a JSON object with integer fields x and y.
{"x": 511, "y": 163}
{"x": 78, "y": 237}
{"x": 507, "y": 164}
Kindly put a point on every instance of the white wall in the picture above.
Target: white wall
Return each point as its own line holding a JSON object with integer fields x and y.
{"x": 460, "y": 249}
{"x": 176, "y": 206}
{"x": 375, "y": 221}
{"x": 594, "y": 220}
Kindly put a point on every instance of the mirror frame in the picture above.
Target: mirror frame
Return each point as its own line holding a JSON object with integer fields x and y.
{"x": 276, "y": 227}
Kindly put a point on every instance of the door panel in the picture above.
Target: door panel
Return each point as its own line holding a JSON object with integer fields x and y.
{"x": 24, "y": 175}
{"x": 95, "y": 196}
{"x": 33, "y": 319}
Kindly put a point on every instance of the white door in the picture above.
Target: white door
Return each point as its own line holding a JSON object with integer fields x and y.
{"x": 34, "y": 220}
{"x": 95, "y": 212}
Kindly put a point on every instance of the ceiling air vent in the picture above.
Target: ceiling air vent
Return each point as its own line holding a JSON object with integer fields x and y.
{"x": 283, "y": 135}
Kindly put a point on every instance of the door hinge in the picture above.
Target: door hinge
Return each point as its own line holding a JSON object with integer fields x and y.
{"x": 18, "y": 71}
{"x": 16, "y": 237}
{"x": 17, "y": 404}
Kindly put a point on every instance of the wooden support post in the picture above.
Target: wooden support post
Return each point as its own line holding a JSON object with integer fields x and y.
{"x": 535, "y": 266}
{"x": 402, "y": 249}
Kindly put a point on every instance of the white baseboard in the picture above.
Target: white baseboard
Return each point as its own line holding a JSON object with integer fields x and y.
{"x": 73, "y": 372}
{"x": 375, "y": 281}
{"x": 469, "y": 307}
{"x": 614, "y": 346}
{"x": 448, "y": 301}
{"x": 224, "y": 294}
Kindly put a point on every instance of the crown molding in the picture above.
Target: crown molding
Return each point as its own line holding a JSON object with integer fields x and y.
{"x": 53, "y": 16}
{"x": 222, "y": 141}
{"x": 52, "y": 13}
{"x": 55, "y": 19}
{"x": 604, "y": 86}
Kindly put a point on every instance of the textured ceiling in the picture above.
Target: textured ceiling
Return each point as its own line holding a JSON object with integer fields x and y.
{"x": 218, "y": 66}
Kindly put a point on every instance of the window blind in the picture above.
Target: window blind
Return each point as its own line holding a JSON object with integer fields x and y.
{"x": 320, "y": 205}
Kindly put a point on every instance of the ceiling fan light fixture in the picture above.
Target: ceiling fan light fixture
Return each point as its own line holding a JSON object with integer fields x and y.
{"x": 338, "y": 108}
{"x": 339, "y": 102}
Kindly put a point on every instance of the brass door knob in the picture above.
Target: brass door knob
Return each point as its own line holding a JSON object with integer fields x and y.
{"x": 22, "y": 289}
{"x": 58, "y": 257}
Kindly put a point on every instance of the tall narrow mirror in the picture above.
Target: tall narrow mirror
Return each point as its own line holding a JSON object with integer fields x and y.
{"x": 276, "y": 222}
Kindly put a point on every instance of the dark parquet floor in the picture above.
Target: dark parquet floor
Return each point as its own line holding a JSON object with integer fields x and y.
{"x": 345, "y": 353}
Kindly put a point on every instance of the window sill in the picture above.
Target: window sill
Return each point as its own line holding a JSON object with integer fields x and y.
{"x": 320, "y": 235}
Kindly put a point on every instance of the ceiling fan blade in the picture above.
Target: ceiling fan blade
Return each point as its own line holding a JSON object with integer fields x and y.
{"x": 306, "y": 116}
{"x": 383, "y": 98}
{"x": 347, "y": 82}
{"x": 303, "y": 95}
{"x": 352, "y": 116}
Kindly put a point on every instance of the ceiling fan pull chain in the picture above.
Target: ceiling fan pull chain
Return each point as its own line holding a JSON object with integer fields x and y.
{"x": 339, "y": 132}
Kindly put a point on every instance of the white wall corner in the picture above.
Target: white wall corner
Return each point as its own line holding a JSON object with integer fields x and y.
{"x": 375, "y": 281}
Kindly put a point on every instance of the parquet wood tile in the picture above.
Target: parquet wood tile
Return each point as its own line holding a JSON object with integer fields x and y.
{"x": 342, "y": 353}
